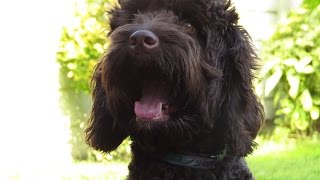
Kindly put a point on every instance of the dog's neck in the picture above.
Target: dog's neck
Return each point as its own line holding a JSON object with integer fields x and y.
{"x": 202, "y": 153}
{"x": 198, "y": 161}
{"x": 183, "y": 159}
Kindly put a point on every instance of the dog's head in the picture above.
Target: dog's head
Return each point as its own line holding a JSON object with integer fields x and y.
{"x": 175, "y": 67}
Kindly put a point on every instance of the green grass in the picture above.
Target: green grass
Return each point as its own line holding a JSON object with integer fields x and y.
{"x": 271, "y": 161}
{"x": 76, "y": 171}
{"x": 97, "y": 171}
{"x": 291, "y": 162}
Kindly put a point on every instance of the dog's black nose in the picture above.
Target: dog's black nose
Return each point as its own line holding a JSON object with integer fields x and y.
{"x": 143, "y": 41}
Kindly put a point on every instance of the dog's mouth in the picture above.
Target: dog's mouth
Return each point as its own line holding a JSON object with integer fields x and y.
{"x": 153, "y": 104}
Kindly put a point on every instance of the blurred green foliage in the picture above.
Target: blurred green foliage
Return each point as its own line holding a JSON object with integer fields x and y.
{"x": 82, "y": 43}
{"x": 311, "y": 3}
{"x": 291, "y": 74}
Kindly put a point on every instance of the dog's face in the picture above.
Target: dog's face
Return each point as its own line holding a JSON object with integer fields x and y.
{"x": 155, "y": 67}
{"x": 172, "y": 69}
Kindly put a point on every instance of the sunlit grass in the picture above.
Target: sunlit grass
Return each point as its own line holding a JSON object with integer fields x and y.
{"x": 292, "y": 162}
{"x": 271, "y": 161}
{"x": 95, "y": 171}
{"x": 76, "y": 171}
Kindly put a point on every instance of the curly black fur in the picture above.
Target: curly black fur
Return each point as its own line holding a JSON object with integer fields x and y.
{"x": 206, "y": 70}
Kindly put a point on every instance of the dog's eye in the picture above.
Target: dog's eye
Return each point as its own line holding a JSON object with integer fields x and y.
{"x": 188, "y": 27}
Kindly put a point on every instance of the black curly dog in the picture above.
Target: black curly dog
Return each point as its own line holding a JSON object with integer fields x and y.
{"x": 177, "y": 78}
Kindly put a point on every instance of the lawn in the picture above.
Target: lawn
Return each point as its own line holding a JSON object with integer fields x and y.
{"x": 271, "y": 161}
{"x": 292, "y": 162}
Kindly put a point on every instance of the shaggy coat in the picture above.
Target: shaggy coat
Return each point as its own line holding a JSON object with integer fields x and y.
{"x": 196, "y": 64}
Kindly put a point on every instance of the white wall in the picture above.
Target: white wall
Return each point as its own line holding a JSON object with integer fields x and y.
{"x": 33, "y": 132}
{"x": 259, "y": 17}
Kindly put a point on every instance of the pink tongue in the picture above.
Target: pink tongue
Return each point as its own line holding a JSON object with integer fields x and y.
{"x": 149, "y": 107}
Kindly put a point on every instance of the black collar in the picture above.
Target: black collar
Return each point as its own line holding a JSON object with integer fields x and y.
{"x": 195, "y": 160}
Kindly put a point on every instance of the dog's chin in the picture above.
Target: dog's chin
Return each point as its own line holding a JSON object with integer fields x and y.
{"x": 156, "y": 119}
{"x": 175, "y": 130}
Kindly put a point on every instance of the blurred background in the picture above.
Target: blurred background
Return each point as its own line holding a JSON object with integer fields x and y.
{"x": 48, "y": 49}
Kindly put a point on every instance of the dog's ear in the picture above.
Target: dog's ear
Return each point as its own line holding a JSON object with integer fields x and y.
{"x": 104, "y": 132}
{"x": 121, "y": 14}
{"x": 243, "y": 111}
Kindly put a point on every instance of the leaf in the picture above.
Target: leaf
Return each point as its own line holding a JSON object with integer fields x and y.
{"x": 70, "y": 74}
{"x": 268, "y": 66}
{"x": 314, "y": 113}
{"x": 290, "y": 62}
{"x": 283, "y": 111}
{"x": 72, "y": 66}
{"x": 307, "y": 69}
{"x": 259, "y": 89}
{"x": 294, "y": 82}
{"x": 305, "y": 61}
{"x": 303, "y": 65}
{"x": 306, "y": 100}
{"x": 302, "y": 124}
{"x": 272, "y": 81}
{"x": 99, "y": 47}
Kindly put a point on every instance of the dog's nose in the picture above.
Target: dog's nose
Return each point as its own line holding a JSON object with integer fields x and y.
{"x": 143, "y": 41}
